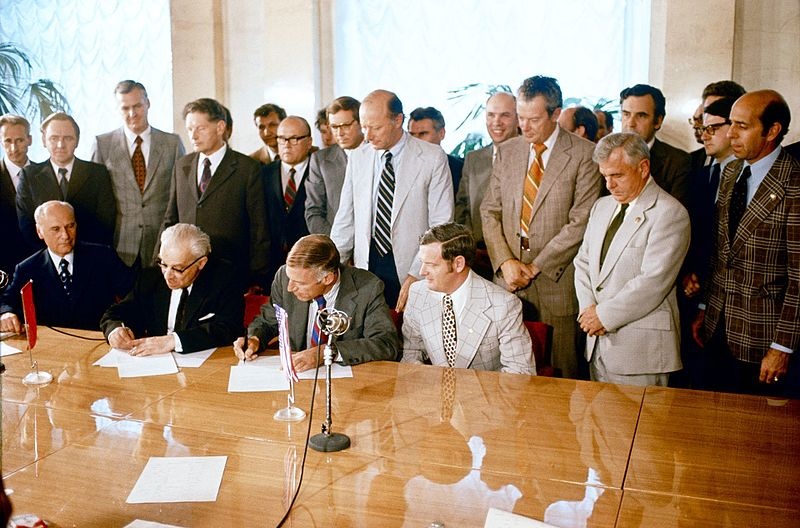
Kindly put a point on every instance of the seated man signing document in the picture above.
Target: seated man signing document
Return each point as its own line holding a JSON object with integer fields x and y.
{"x": 314, "y": 279}
{"x": 192, "y": 303}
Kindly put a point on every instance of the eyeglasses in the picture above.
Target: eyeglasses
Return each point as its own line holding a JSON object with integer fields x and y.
{"x": 341, "y": 126}
{"x": 712, "y": 129}
{"x": 696, "y": 122}
{"x": 293, "y": 140}
{"x": 180, "y": 271}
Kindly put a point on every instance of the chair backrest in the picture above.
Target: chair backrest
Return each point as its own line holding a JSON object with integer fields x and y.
{"x": 397, "y": 319}
{"x": 541, "y": 342}
{"x": 252, "y": 306}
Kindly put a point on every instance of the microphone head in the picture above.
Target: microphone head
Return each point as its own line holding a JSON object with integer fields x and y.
{"x": 3, "y": 279}
{"x": 332, "y": 321}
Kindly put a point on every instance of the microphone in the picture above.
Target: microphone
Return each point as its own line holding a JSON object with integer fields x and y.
{"x": 3, "y": 280}
{"x": 333, "y": 322}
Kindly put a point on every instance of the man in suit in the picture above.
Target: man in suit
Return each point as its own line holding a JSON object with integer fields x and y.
{"x": 285, "y": 190}
{"x": 643, "y": 112}
{"x": 580, "y": 121}
{"x": 324, "y": 129}
{"x": 267, "y": 117}
{"x": 140, "y": 160}
{"x": 191, "y": 303}
{"x": 750, "y": 325}
{"x": 73, "y": 282}
{"x": 83, "y": 184}
{"x": 314, "y": 279}
{"x": 531, "y": 246}
{"x": 393, "y": 191}
{"x": 428, "y": 125}
{"x": 457, "y": 319}
{"x": 626, "y": 268}
{"x": 605, "y": 123}
{"x": 15, "y": 136}
{"x": 501, "y": 124}
{"x": 712, "y": 92}
{"x": 327, "y": 167}
{"x": 222, "y": 192}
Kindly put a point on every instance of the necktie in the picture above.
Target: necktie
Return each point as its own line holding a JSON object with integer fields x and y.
{"x": 612, "y": 230}
{"x": 317, "y": 337}
{"x": 738, "y": 203}
{"x": 383, "y": 217}
{"x": 290, "y": 192}
{"x": 713, "y": 183}
{"x": 139, "y": 168}
{"x": 449, "y": 331}
{"x": 206, "y": 177}
{"x": 448, "y": 393}
{"x": 180, "y": 315}
{"x": 63, "y": 182}
{"x": 532, "y": 181}
{"x": 65, "y": 276}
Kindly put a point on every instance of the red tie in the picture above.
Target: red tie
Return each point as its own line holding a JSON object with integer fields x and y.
{"x": 139, "y": 168}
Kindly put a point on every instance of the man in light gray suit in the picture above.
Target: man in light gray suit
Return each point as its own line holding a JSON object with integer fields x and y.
{"x": 393, "y": 192}
{"x": 532, "y": 236}
{"x": 327, "y": 167}
{"x": 139, "y": 159}
{"x": 487, "y": 332}
{"x": 626, "y": 268}
{"x": 312, "y": 279}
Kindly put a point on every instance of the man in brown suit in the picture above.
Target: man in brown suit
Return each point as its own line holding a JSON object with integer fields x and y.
{"x": 533, "y": 235}
{"x": 751, "y": 324}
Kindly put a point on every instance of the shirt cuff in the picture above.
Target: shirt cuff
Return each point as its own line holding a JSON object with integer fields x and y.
{"x": 178, "y": 345}
{"x": 781, "y": 348}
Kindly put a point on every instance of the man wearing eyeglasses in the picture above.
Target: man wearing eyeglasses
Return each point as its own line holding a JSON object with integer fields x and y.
{"x": 327, "y": 167}
{"x": 189, "y": 302}
{"x": 285, "y": 190}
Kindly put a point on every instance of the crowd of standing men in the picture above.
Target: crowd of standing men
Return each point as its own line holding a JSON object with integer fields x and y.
{"x": 645, "y": 260}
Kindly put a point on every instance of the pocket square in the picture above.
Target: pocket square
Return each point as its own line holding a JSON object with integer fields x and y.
{"x": 206, "y": 317}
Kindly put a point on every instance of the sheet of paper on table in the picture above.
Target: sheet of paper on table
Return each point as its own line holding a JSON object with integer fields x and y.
{"x": 258, "y": 375}
{"x": 138, "y": 366}
{"x": 179, "y": 479}
{"x": 8, "y": 350}
{"x": 337, "y": 371}
{"x": 192, "y": 359}
{"x": 503, "y": 519}
{"x": 138, "y": 523}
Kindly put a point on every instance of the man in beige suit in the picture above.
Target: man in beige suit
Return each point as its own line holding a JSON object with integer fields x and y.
{"x": 535, "y": 212}
{"x": 267, "y": 117}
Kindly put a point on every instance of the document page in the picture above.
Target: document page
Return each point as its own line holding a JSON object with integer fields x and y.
{"x": 179, "y": 479}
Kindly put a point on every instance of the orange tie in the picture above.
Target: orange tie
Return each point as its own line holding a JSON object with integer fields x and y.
{"x": 532, "y": 181}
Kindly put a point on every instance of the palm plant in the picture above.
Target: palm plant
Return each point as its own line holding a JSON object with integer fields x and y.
{"x": 19, "y": 94}
{"x": 475, "y": 94}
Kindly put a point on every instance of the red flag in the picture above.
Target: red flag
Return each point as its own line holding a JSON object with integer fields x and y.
{"x": 29, "y": 312}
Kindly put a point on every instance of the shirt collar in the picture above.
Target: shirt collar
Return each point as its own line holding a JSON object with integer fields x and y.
{"x": 68, "y": 167}
{"x": 299, "y": 168}
{"x": 131, "y": 137}
{"x": 397, "y": 148}
{"x": 57, "y": 260}
{"x": 760, "y": 168}
{"x": 215, "y": 157}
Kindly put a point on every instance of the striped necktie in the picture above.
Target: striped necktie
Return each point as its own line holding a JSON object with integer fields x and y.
{"x": 383, "y": 216}
{"x": 532, "y": 181}
{"x": 317, "y": 337}
{"x": 290, "y": 192}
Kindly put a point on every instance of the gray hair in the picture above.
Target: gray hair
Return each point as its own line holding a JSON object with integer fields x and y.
{"x": 632, "y": 145}
{"x": 12, "y": 119}
{"x": 42, "y": 210}
{"x": 187, "y": 235}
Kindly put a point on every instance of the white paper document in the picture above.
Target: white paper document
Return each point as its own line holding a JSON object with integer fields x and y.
{"x": 138, "y": 523}
{"x": 193, "y": 359}
{"x": 337, "y": 371}
{"x": 179, "y": 479}
{"x": 503, "y": 519}
{"x": 259, "y": 375}
{"x": 137, "y": 366}
{"x": 8, "y": 350}
{"x": 112, "y": 358}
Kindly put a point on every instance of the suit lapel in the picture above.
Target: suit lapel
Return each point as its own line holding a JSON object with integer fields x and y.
{"x": 518, "y": 163}
{"x": 190, "y": 178}
{"x": 155, "y": 157}
{"x": 474, "y": 324}
{"x": 408, "y": 168}
{"x": 558, "y": 159}
{"x": 80, "y": 175}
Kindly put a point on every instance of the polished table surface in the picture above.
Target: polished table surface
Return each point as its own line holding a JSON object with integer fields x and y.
{"x": 423, "y": 448}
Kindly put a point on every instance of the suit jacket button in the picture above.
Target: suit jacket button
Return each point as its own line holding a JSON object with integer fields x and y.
{"x": 598, "y": 289}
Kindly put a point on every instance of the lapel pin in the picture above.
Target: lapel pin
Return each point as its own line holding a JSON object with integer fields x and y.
{"x": 637, "y": 219}
{"x": 773, "y": 197}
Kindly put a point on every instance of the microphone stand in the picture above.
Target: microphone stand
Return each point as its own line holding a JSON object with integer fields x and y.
{"x": 3, "y": 284}
{"x": 327, "y": 441}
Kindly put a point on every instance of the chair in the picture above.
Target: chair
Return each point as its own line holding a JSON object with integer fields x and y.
{"x": 397, "y": 319}
{"x": 252, "y": 306}
{"x": 541, "y": 343}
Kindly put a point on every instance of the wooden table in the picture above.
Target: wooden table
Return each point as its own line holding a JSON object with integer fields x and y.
{"x": 570, "y": 452}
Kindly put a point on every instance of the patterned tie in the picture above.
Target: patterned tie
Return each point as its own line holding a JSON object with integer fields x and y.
{"x": 63, "y": 182}
{"x": 531, "y": 188}
{"x": 612, "y": 230}
{"x": 137, "y": 161}
{"x": 290, "y": 192}
{"x": 180, "y": 315}
{"x": 317, "y": 337}
{"x": 448, "y": 393}
{"x": 65, "y": 276}
{"x": 738, "y": 203}
{"x": 449, "y": 331}
{"x": 383, "y": 217}
{"x": 206, "y": 177}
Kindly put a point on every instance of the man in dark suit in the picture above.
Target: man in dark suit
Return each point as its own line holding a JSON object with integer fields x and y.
{"x": 73, "y": 283}
{"x": 191, "y": 303}
{"x": 15, "y": 136}
{"x": 222, "y": 192}
{"x": 428, "y": 125}
{"x": 285, "y": 190}
{"x": 312, "y": 279}
{"x": 327, "y": 167}
{"x": 83, "y": 184}
{"x": 643, "y": 112}
{"x": 750, "y": 325}
{"x": 140, "y": 160}
{"x": 712, "y": 92}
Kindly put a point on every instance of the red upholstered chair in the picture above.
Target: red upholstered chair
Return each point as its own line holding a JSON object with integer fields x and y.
{"x": 541, "y": 342}
{"x": 397, "y": 319}
{"x": 252, "y": 306}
